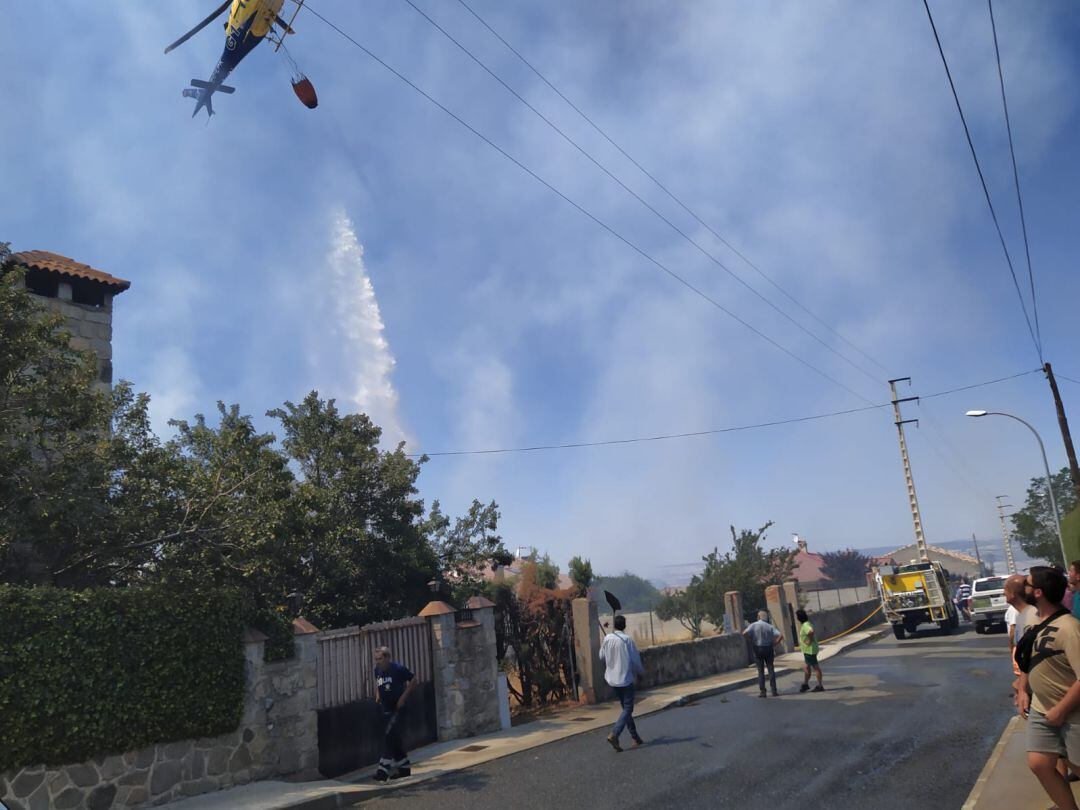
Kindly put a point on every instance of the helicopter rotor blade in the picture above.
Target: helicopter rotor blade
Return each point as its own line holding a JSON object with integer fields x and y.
{"x": 213, "y": 16}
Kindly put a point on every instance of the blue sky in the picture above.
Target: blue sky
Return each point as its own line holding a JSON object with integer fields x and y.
{"x": 376, "y": 250}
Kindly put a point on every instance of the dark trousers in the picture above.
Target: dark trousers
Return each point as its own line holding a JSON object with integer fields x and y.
{"x": 393, "y": 752}
{"x": 626, "y": 718}
{"x": 765, "y": 658}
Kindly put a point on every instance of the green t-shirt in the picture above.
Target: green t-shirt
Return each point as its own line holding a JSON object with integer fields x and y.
{"x": 807, "y": 646}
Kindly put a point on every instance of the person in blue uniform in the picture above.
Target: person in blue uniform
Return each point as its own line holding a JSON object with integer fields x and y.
{"x": 393, "y": 684}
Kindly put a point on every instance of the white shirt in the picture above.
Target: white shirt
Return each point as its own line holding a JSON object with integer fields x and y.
{"x": 1018, "y": 621}
{"x": 621, "y": 658}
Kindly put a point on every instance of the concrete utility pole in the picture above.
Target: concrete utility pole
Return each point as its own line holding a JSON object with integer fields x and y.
{"x": 1005, "y": 536}
{"x": 913, "y": 500}
{"x": 1063, "y": 423}
{"x": 978, "y": 556}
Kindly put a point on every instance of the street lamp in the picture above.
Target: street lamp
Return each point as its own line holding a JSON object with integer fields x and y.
{"x": 1046, "y": 466}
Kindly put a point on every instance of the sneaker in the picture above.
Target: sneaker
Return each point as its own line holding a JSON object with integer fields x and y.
{"x": 804, "y": 688}
{"x": 638, "y": 742}
{"x": 381, "y": 775}
{"x": 775, "y": 693}
{"x": 762, "y": 695}
{"x": 402, "y": 772}
{"x": 818, "y": 688}
{"x": 611, "y": 738}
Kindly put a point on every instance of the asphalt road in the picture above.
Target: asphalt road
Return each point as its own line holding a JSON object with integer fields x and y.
{"x": 903, "y": 724}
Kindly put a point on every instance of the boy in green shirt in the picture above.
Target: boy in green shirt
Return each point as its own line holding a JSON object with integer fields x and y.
{"x": 809, "y": 646}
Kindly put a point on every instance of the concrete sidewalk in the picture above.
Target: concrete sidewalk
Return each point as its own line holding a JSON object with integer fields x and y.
{"x": 440, "y": 759}
{"x": 1005, "y": 780}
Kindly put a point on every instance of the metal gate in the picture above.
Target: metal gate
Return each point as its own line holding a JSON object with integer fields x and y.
{"x": 350, "y": 722}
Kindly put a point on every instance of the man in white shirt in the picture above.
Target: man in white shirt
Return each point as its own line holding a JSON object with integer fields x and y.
{"x": 764, "y": 637}
{"x": 622, "y": 663}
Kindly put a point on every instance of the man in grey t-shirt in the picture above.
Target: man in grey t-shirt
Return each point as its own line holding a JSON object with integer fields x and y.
{"x": 764, "y": 637}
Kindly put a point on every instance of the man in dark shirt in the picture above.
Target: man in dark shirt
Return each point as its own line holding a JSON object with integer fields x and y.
{"x": 393, "y": 683}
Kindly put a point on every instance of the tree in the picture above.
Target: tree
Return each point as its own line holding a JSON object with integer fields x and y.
{"x": 467, "y": 547}
{"x": 685, "y": 607}
{"x": 1034, "y": 524}
{"x": 581, "y": 574}
{"x": 846, "y": 566}
{"x": 361, "y": 525}
{"x": 635, "y": 593}
{"x": 747, "y": 568}
{"x": 53, "y": 424}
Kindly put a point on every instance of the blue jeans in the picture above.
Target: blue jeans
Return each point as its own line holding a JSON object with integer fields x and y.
{"x": 626, "y": 719}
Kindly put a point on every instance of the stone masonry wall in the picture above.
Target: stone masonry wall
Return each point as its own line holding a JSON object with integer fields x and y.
{"x": 466, "y": 674}
{"x": 685, "y": 660}
{"x": 90, "y": 327}
{"x": 278, "y": 736}
{"x": 828, "y": 623}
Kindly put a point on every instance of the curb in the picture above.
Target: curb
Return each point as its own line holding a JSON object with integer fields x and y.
{"x": 352, "y": 795}
{"x": 991, "y": 763}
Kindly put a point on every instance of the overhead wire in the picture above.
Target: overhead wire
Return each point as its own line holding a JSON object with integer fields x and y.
{"x": 1016, "y": 176}
{"x": 982, "y": 180}
{"x": 682, "y": 204}
{"x": 584, "y": 211}
{"x": 712, "y": 432}
{"x": 660, "y": 215}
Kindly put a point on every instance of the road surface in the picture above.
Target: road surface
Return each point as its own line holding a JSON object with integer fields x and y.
{"x": 903, "y": 724}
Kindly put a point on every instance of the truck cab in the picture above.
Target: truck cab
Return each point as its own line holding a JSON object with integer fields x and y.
{"x": 988, "y": 603}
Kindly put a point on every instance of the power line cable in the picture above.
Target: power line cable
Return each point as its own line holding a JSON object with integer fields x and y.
{"x": 611, "y": 230}
{"x": 1016, "y": 177}
{"x": 982, "y": 179}
{"x": 1070, "y": 379}
{"x": 662, "y": 186}
{"x": 687, "y": 237}
{"x": 713, "y": 432}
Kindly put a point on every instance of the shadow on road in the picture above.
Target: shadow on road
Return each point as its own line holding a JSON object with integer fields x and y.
{"x": 464, "y": 781}
{"x": 664, "y": 740}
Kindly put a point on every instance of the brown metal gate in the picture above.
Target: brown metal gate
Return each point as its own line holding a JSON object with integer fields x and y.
{"x": 350, "y": 722}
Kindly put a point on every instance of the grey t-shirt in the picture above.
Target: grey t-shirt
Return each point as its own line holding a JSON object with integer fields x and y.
{"x": 762, "y": 633}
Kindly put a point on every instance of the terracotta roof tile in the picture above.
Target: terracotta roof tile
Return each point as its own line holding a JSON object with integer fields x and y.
{"x": 55, "y": 263}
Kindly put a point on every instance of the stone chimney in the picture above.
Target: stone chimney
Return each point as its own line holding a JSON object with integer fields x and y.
{"x": 82, "y": 294}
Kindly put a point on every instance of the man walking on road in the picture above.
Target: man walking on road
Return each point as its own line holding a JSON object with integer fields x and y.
{"x": 764, "y": 637}
{"x": 809, "y": 645}
{"x": 622, "y": 663}
{"x": 1052, "y": 672}
{"x": 393, "y": 683}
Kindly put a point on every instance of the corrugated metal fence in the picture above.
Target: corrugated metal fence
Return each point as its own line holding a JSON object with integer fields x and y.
{"x": 347, "y": 658}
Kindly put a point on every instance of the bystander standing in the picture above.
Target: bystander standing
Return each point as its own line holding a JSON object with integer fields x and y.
{"x": 764, "y": 636}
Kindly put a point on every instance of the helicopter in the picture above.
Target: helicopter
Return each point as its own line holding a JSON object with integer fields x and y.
{"x": 250, "y": 21}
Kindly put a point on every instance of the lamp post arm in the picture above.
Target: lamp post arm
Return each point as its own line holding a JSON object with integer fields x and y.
{"x": 1049, "y": 480}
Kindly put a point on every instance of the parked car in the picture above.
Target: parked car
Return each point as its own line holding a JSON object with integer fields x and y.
{"x": 988, "y": 603}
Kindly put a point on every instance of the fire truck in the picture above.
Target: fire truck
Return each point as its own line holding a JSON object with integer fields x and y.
{"x": 916, "y": 594}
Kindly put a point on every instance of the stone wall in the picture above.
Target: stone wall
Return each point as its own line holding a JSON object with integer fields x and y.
{"x": 828, "y": 623}
{"x": 466, "y": 669}
{"x": 686, "y": 660}
{"x": 90, "y": 327}
{"x": 277, "y": 736}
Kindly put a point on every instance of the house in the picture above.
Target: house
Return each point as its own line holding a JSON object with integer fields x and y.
{"x": 82, "y": 294}
{"x": 809, "y": 566}
{"x": 957, "y": 563}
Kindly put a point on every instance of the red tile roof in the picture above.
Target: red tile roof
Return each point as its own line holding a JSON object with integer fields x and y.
{"x": 808, "y": 567}
{"x": 55, "y": 263}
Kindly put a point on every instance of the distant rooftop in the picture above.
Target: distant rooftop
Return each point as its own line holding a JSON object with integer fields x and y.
{"x": 47, "y": 262}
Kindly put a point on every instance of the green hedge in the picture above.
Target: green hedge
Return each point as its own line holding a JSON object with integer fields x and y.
{"x": 104, "y": 671}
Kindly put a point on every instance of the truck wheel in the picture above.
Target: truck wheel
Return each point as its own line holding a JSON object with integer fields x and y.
{"x": 980, "y": 627}
{"x": 898, "y": 631}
